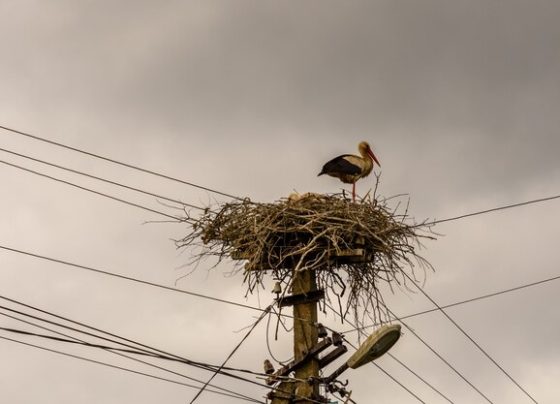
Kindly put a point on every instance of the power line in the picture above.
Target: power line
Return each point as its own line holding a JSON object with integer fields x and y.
{"x": 391, "y": 377}
{"x": 138, "y": 281}
{"x": 395, "y": 380}
{"x": 481, "y": 212}
{"x": 90, "y": 190}
{"x": 144, "y": 348}
{"x": 99, "y": 271}
{"x": 169, "y": 356}
{"x": 400, "y": 363}
{"x": 121, "y": 368}
{"x": 267, "y": 338}
{"x": 264, "y": 313}
{"x": 147, "y": 353}
{"x": 144, "y": 282}
{"x": 229, "y": 302}
{"x": 486, "y": 296}
{"x": 128, "y": 278}
{"x": 77, "y": 341}
{"x": 131, "y": 279}
{"x": 112, "y": 350}
{"x": 462, "y": 302}
{"x": 69, "y": 341}
{"x": 186, "y": 361}
{"x": 458, "y": 217}
{"x": 439, "y": 356}
{"x": 435, "y": 222}
{"x": 238, "y": 198}
{"x": 134, "y": 167}
{"x": 100, "y": 179}
{"x": 418, "y": 376}
{"x": 472, "y": 340}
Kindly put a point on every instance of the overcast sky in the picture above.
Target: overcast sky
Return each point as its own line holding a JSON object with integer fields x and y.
{"x": 460, "y": 101}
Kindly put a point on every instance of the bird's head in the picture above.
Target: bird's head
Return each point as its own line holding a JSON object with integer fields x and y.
{"x": 365, "y": 150}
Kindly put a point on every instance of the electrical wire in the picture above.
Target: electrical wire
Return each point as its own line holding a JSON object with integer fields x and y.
{"x": 113, "y": 350}
{"x": 199, "y": 295}
{"x": 206, "y": 367}
{"x": 101, "y": 179}
{"x": 73, "y": 340}
{"x": 269, "y": 348}
{"x": 238, "y": 395}
{"x": 501, "y": 292}
{"x": 100, "y": 337}
{"x": 131, "y": 279}
{"x": 404, "y": 365}
{"x": 481, "y": 212}
{"x": 175, "y": 218}
{"x": 395, "y": 380}
{"x": 346, "y": 400}
{"x": 148, "y": 283}
{"x": 143, "y": 348}
{"x": 476, "y": 344}
{"x": 399, "y": 362}
{"x": 438, "y": 221}
{"x": 221, "y": 300}
{"x": 132, "y": 349}
{"x": 122, "y": 368}
{"x": 110, "y": 160}
{"x": 152, "y": 284}
{"x": 29, "y": 135}
{"x": 147, "y": 171}
{"x": 439, "y": 355}
{"x": 70, "y": 341}
{"x": 189, "y": 362}
{"x": 215, "y": 369}
{"x": 144, "y": 282}
{"x": 390, "y": 376}
{"x": 474, "y": 299}
{"x": 263, "y": 314}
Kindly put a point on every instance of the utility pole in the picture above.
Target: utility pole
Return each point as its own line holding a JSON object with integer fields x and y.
{"x": 303, "y": 241}
{"x": 305, "y": 365}
{"x": 304, "y": 387}
{"x": 305, "y": 334}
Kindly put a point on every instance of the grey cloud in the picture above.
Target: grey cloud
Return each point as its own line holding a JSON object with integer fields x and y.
{"x": 460, "y": 101}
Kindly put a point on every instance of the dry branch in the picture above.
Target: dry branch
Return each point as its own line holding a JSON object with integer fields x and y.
{"x": 353, "y": 247}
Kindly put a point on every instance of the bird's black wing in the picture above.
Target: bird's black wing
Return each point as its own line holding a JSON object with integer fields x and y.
{"x": 339, "y": 165}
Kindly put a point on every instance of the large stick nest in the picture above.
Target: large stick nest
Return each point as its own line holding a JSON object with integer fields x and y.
{"x": 352, "y": 246}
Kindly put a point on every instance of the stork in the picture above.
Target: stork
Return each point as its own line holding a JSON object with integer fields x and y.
{"x": 350, "y": 168}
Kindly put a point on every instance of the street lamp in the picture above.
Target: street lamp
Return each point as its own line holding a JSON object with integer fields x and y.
{"x": 373, "y": 347}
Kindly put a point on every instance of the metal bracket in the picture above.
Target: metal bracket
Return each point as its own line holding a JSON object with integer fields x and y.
{"x": 333, "y": 355}
{"x": 292, "y": 366}
{"x": 309, "y": 297}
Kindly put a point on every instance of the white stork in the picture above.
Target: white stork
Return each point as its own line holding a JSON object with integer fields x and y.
{"x": 350, "y": 168}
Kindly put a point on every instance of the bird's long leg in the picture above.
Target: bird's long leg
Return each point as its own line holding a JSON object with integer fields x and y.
{"x": 353, "y": 192}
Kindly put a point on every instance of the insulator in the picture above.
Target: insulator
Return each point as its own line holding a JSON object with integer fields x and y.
{"x": 337, "y": 339}
{"x": 277, "y": 288}
{"x": 321, "y": 331}
{"x": 268, "y": 367}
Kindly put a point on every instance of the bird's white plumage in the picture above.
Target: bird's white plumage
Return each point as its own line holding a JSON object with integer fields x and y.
{"x": 350, "y": 168}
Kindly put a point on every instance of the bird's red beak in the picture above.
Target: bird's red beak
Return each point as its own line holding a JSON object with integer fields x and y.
{"x": 373, "y": 157}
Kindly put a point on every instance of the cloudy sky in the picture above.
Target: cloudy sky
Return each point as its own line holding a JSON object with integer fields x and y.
{"x": 460, "y": 101}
